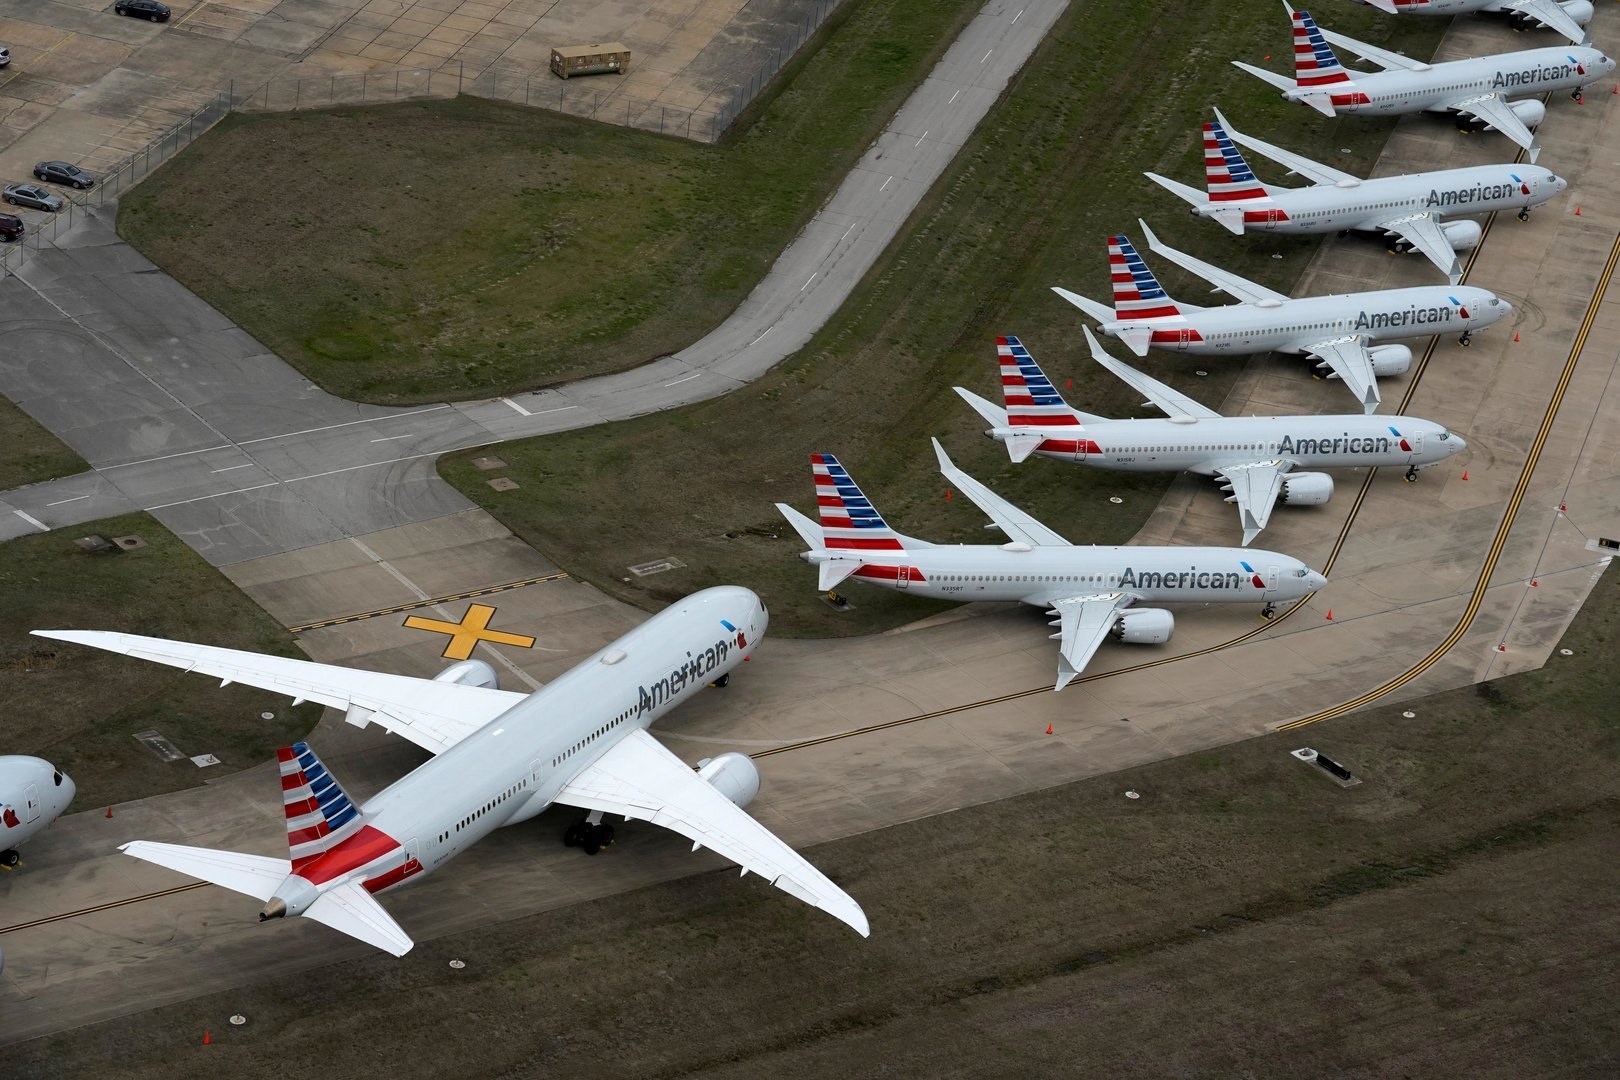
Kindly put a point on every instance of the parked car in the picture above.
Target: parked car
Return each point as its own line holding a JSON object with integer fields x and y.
{"x": 32, "y": 195}
{"x": 142, "y": 9}
{"x": 11, "y": 227}
{"x": 5, "y": 56}
{"x": 61, "y": 172}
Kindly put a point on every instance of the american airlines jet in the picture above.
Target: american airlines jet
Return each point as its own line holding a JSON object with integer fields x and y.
{"x": 1091, "y": 591}
{"x": 1478, "y": 88}
{"x": 501, "y": 758}
{"x": 1340, "y": 331}
{"x": 1259, "y": 459}
{"x": 1415, "y": 211}
{"x": 33, "y": 793}
{"x": 1567, "y": 17}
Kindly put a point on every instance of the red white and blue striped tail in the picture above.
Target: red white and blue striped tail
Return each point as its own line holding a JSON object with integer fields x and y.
{"x": 1032, "y": 400}
{"x": 849, "y": 522}
{"x": 320, "y": 815}
{"x": 1314, "y": 62}
{"x": 1137, "y": 293}
{"x": 1227, "y": 175}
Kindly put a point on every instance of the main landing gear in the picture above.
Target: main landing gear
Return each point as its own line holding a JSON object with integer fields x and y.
{"x": 1268, "y": 611}
{"x": 1466, "y": 340}
{"x": 9, "y": 859}
{"x": 590, "y": 833}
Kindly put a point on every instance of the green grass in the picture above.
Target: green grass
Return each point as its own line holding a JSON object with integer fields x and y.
{"x": 1244, "y": 917}
{"x": 469, "y": 248}
{"x": 1053, "y": 170}
{"x": 80, "y": 707}
{"x": 29, "y": 453}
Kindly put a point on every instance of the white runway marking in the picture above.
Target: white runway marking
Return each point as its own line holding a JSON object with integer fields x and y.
{"x": 986, "y": 55}
{"x": 920, "y": 138}
{"x": 847, "y": 231}
{"x": 761, "y": 337}
{"x": 548, "y": 412}
{"x": 346, "y": 423}
{"x": 881, "y": 190}
{"x": 75, "y": 498}
{"x": 694, "y": 374}
{"x": 813, "y": 277}
{"x": 516, "y": 406}
{"x": 164, "y": 457}
{"x": 1018, "y": 16}
{"x": 233, "y": 468}
{"x": 955, "y": 96}
{"x": 205, "y": 498}
{"x": 393, "y": 438}
{"x": 34, "y": 521}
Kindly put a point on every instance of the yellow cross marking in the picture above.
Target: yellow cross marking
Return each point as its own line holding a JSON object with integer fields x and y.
{"x": 473, "y": 628}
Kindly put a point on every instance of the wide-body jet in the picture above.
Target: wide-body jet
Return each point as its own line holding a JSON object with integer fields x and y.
{"x": 1567, "y": 17}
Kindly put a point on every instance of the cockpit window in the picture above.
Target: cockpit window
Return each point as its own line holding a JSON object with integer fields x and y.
{"x": 56, "y": 777}
{"x": 1444, "y": 435}
{"x": 1301, "y": 572}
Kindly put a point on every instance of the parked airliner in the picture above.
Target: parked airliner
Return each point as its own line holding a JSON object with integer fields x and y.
{"x": 1090, "y": 590}
{"x": 502, "y": 758}
{"x": 1567, "y": 17}
{"x": 1414, "y": 210}
{"x": 33, "y": 793}
{"x": 1258, "y": 458}
{"x": 1478, "y": 88}
{"x": 1339, "y": 330}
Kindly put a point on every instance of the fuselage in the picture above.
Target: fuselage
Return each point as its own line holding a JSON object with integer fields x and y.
{"x": 1207, "y": 444}
{"x": 1033, "y": 575}
{"x": 33, "y": 793}
{"x": 1292, "y": 325}
{"x": 1365, "y": 204}
{"x": 512, "y": 768}
{"x": 1580, "y": 11}
{"x": 1439, "y": 86}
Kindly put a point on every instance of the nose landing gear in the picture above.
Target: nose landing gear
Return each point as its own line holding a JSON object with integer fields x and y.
{"x": 1524, "y": 213}
{"x": 1411, "y": 474}
{"x": 1466, "y": 340}
{"x": 9, "y": 859}
{"x": 1268, "y": 611}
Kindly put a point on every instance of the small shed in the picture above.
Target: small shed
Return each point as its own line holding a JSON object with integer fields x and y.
{"x": 570, "y": 60}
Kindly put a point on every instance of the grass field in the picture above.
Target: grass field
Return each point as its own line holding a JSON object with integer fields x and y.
{"x": 468, "y": 248}
{"x": 1054, "y": 169}
{"x": 79, "y": 707}
{"x": 1450, "y": 916}
{"x": 29, "y": 453}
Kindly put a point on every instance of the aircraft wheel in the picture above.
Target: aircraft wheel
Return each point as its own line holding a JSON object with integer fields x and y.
{"x": 10, "y": 858}
{"x": 1524, "y": 215}
{"x": 591, "y": 845}
{"x": 574, "y": 835}
{"x": 722, "y": 681}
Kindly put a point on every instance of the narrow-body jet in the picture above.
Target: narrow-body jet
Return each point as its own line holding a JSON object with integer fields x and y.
{"x": 33, "y": 793}
{"x": 1567, "y": 17}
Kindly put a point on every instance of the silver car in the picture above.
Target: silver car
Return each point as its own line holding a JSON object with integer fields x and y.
{"x": 32, "y": 195}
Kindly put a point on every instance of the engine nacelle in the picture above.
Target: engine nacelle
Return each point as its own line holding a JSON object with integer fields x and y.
{"x": 733, "y": 775}
{"x": 1306, "y": 489}
{"x": 1145, "y": 626}
{"x": 1462, "y": 234}
{"x": 469, "y": 673}
{"x": 1390, "y": 359}
{"x": 1529, "y": 111}
{"x": 1578, "y": 10}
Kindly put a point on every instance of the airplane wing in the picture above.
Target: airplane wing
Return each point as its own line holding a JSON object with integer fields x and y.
{"x": 1551, "y": 15}
{"x": 1423, "y": 232}
{"x": 433, "y": 715}
{"x": 1172, "y": 402}
{"x": 1494, "y": 110}
{"x": 1348, "y": 358}
{"x": 640, "y": 779}
{"x": 1255, "y": 488}
{"x": 1389, "y": 61}
{"x": 1083, "y": 622}
{"x": 1018, "y": 525}
{"x": 1313, "y": 171}
{"x": 1224, "y": 281}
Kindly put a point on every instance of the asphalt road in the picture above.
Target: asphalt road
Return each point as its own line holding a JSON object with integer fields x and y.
{"x": 183, "y": 414}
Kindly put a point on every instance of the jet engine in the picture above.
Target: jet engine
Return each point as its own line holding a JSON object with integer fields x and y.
{"x": 1390, "y": 359}
{"x": 1306, "y": 489}
{"x": 1145, "y": 626}
{"x": 733, "y": 775}
{"x": 1578, "y": 10}
{"x": 1529, "y": 111}
{"x": 1462, "y": 234}
{"x": 469, "y": 673}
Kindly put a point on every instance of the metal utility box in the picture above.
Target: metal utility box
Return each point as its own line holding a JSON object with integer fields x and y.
{"x": 570, "y": 60}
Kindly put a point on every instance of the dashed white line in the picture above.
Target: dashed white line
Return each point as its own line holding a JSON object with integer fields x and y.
{"x": 346, "y": 423}
{"x": 205, "y": 498}
{"x": 408, "y": 435}
{"x": 34, "y": 521}
{"x": 986, "y": 55}
{"x": 1018, "y": 16}
{"x": 813, "y": 277}
{"x": 761, "y": 337}
{"x": 694, "y": 374}
{"x": 516, "y": 406}
{"x": 847, "y": 231}
{"x": 955, "y": 95}
{"x": 548, "y": 412}
{"x": 881, "y": 190}
{"x": 75, "y": 498}
{"x": 165, "y": 457}
{"x": 920, "y": 138}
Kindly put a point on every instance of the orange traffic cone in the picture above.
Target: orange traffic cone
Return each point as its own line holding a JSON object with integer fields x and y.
{"x": 1535, "y": 583}
{"x": 947, "y": 494}
{"x": 1515, "y": 335}
{"x": 109, "y": 811}
{"x": 208, "y": 1037}
{"x": 1330, "y": 615}
{"x": 1465, "y": 474}
{"x": 1501, "y": 648}
{"x": 1049, "y": 729}
{"x": 1577, "y": 211}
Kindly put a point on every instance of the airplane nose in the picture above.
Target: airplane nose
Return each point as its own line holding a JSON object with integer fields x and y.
{"x": 1457, "y": 443}
{"x": 69, "y": 790}
{"x": 1317, "y": 581}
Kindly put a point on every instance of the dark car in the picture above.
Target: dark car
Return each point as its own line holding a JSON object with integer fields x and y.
{"x": 142, "y": 9}
{"x": 11, "y": 227}
{"x": 32, "y": 195}
{"x": 61, "y": 172}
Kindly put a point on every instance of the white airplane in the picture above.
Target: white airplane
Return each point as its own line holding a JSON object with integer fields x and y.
{"x": 1089, "y": 589}
{"x": 1478, "y": 88}
{"x": 33, "y": 793}
{"x": 1339, "y": 330}
{"x": 1412, "y": 209}
{"x": 1567, "y": 17}
{"x": 1256, "y": 457}
{"x": 502, "y": 758}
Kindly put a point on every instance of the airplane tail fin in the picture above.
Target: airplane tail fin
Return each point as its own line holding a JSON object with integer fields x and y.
{"x": 849, "y": 521}
{"x": 320, "y": 814}
{"x": 1314, "y": 61}
{"x": 1226, "y": 174}
{"x": 1137, "y": 293}
{"x": 1032, "y": 401}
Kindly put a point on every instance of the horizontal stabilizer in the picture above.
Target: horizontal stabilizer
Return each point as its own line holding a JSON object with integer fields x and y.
{"x": 1097, "y": 311}
{"x": 1320, "y": 100}
{"x": 350, "y": 909}
{"x": 833, "y": 573}
{"x": 808, "y": 530}
{"x": 1231, "y": 219}
{"x": 1191, "y": 195}
{"x": 994, "y": 415}
{"x": 1020, "y": 447}
{"x": 1136, "y": 338}
{"x": 256, "y": 875}
{"x": 1281, "y": 82}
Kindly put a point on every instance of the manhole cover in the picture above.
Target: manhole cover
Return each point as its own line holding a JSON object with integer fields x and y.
{"x": 1566, "y": 652}
{"x": 1409, "y": 714}
{"x": 1201, "y": 373}
{"x": 1133, "y": 794}
{"x": 458, "y": 964}
{"x": 267, "y": 716}
{"x": 238, "y": 1020}
{"x": 1115, "y": 499}
{"x": 1344, "y": 150}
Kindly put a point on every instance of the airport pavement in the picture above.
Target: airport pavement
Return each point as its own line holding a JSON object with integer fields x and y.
{"x": 1400, "y": 586}
{"x": 182, "y": 413}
